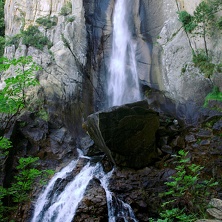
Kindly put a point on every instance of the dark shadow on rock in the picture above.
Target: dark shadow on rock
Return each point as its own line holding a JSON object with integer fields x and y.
{"x": 126, "y": 134}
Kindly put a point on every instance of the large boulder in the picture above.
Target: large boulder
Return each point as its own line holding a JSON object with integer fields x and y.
{"x": 126, "y": 134}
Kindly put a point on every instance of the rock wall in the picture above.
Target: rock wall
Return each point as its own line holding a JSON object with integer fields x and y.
{"x": 75, "y": 78}
{"x": 172, "y": 50}
{"x": 99, "y": 25}
{"x": 163, "y": 48}
{"x": 63, "y": 78}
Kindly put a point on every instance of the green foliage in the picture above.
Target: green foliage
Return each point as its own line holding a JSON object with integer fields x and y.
{"x": 22, "y": 185}
{"x": 5, "y": 145}
{"x": 2, "y": 28}
{"x": 214, "y": 95}
{"x": 2, "y": 45}
{"x": 188, "y": 193}
{"x": 33, "y": 37}
{"x": 13, "y": 97}
{"x": 70, "y": 19}
{"x": 13, "y": 40}
{"x": 202, "y": 24}
{"x": 66, "y": 9}
{"x": 204, "y": 63}
{"x": 43, "y": 114}
{"x": 47, "y": 21}
{"x": 187, "y": 21}
{"x": 219, "y": 23}
{"x": 2, "y": 22}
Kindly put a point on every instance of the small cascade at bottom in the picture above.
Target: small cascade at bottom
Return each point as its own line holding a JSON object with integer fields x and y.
{"x": 117, "y": 209}
{"x": 60, "y": 199}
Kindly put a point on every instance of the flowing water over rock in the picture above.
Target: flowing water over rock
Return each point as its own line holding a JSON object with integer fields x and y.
{"x": 117, "y": 208}
{"x": 59, "y": 201}
{"x": 123, "y": 83}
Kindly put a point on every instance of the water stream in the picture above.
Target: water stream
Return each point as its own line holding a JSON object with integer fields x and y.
{"x": 123, "y": 83}
{"x": 60, "y": 204}
{"x": 59, "y": 201}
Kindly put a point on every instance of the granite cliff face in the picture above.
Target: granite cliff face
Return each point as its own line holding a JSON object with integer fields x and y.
{"x": 75, "y": 77}
{"x": 73, "y": 84}
{"x": 63, "y": 77}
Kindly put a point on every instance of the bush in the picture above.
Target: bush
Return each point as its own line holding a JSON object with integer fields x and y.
{"x": 47, "y": 21}
{"x": 33, "y": 37}
{"x": 188, "y": 194}
{"x": 219, "y": 23}
{"x": 13, "y": 97}
{"x": 19, "y": 191}
{"x": 70, "y": 19}
{"x": 202, "y": 61}
{"x": 214, "y": 95}
{"x": 66, "y": 9}
{"x": 13, "y": 40}
{"x": 187, "y": 21}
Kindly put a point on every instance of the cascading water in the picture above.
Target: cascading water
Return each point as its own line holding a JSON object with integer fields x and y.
{"x": 123, "y": 83}
{"x": 60, "y": 205}
{"x": 43, "y": 200}
{"x": 116, "y": 207}
{"x": 58, "y": 202}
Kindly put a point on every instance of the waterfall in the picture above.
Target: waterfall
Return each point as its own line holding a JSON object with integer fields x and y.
{"x": 123, "y": 83}
{"x": 60, "y": 199}
{"x": 60, "y": 204}
{"x": 117, "y": 209}
{"x": 43, "y": 201}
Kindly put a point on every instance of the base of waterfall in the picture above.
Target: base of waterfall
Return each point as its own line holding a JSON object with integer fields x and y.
{"x": 126, "y": 134}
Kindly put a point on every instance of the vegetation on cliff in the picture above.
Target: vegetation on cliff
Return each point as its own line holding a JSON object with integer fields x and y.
{"x": 188, "y": 194}
{"x": 202, "y": 25}
{"x": 2, "y": 28}
{"x": 13, "y": 99}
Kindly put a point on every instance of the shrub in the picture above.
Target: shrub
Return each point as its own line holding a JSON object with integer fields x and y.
{"x": 13, "y": 97}
{"x": 33, "y": 37}
{"x": 66, "y": 9}
{"x": 70, "y": 19}
{"x": 13, "y": 40}
{"x": 19, "y": 191}
{"x": 219, "y": 23}
{"x": 187, "y": 21}
{"x": 214, "y": 95}
{"x": 47, "y": 21}
{"x": 188, "y": 194}
{"x": 203, "y": 61}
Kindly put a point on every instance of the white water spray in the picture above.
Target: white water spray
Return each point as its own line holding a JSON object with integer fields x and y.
{"x": 123, "y": 83}
{"x": 43, "y": 198}
{"x": 116, "y": 208}
{"x": 61, "y": 206}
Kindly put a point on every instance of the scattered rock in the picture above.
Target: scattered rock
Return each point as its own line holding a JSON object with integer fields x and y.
{"x": 216, "y": 210}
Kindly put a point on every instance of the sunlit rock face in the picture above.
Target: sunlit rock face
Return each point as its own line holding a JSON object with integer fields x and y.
{"x": 172, "y": 51}
{"x": 76, "y": 77}
{"x": 62, "y": 78}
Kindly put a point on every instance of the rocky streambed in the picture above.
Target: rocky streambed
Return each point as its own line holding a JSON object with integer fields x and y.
{"x": 138, "y": 185}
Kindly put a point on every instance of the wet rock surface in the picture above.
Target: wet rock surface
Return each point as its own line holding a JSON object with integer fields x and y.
{"x": 142, "y": 188}
{"x": 93, "y": 207}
